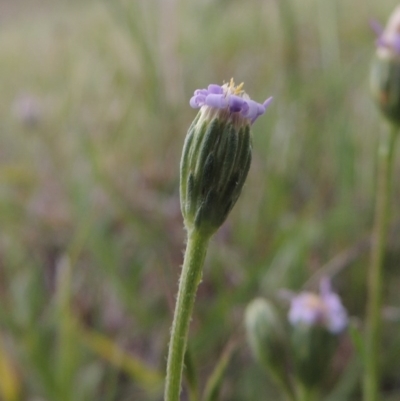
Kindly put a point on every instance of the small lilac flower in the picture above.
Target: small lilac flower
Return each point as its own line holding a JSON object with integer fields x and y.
{"x": 385, "y": 71}
{"x": 324, "y": 310}
{"x": 229, "y": 99}
{"x": 388, "y": 39}
{"x": 216, "y": 155}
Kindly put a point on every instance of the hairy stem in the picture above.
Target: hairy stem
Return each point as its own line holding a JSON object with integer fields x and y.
{"x": 190, "y": 278}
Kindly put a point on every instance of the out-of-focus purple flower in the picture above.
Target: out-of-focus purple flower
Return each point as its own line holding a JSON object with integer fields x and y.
{"x": 27, "y": 109}
{"x": 388, "y": 39}
{"x": 230, "y": 99}
{"x": 323, "y": 309}
{"x": 385, "y": 71}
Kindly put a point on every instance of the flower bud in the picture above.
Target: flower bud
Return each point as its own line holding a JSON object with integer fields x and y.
{"x": 317, "y": 321}
{"x": 267, "y": 338}
{"x": 385, "y": 73}
{"x": 216, "y": 155}
{"x": 313, "y": 348}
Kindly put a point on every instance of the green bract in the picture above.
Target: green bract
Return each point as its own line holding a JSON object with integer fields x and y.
{"x": 267, "y": 338}
{"x": 215, "y": 161}
{"x": 312, "y": 350}
{"x": 385, "y": 75}
{"x": 385, "y": 87}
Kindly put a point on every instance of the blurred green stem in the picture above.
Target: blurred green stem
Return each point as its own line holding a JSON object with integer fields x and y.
{"x": 286, "y": 389}
{"x": 305, "y": 393}
{"x": 291, "y": 47}
{"x": 190, "y": 278}
{"x": 374, "y": 306}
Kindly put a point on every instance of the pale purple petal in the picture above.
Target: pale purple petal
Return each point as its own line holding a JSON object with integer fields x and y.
{"x": 197, "y": 101}
{"x": 336, "y": 314}
{"x": 215, "y": 89}
{"x": 268, "y": 102}
{"x": 235, "y": 103}
{"x": 388, "y": 38}
{"x": 380, "y": 42}
{"x": 396, "y": 44}
{"x": 376, "y": 27}
{"x": 304, "y": 311}
{"x": 252, "y": 110}
{"x": 260, "y": 110}
{"x": 325, "y": 287}
{"x": 203, "y": 92}
{"x": 325, "y": 310}
{"x": 217, "y": 101}
{"x": 245, "y": 108}
{"x": 338, "y": 321}
{"x": 229, "y": 98}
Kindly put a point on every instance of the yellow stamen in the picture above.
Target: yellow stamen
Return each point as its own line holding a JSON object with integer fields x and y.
{"x": 314, "y": 301}
{"x": 239, "y": 89}
{"x": 236, "y": 90}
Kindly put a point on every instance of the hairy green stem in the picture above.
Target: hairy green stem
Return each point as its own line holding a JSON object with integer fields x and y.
{"x": 374, "y": 303}
{"x": 195, "y": 253}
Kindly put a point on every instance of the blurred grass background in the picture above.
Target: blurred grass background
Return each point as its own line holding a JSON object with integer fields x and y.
{"x": 93, "y": 113}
